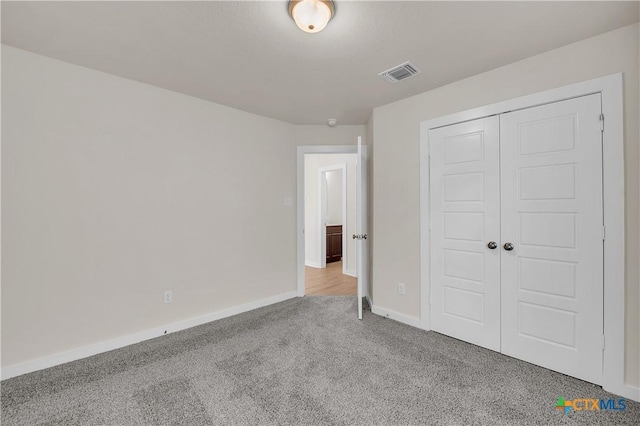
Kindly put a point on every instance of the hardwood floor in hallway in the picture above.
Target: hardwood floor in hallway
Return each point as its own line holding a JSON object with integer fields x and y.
{"x": 329, "y": 281}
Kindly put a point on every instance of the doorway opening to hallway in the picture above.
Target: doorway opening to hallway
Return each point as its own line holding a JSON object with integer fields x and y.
{"x": 330, "y": 215}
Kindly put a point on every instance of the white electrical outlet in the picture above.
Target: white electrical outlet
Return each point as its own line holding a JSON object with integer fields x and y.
{"x": 401, "y": 288}
{"x": 288, "y": 201}
{"x": 168, "y": 296}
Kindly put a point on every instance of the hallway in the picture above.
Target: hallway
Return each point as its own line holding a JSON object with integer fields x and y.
{"x": 329, "y": 281}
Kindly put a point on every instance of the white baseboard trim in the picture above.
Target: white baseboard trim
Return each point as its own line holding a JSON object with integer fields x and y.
{"x": 351, "y": 273}
{"x": 405, "y": 319}
{"x": 312, "y": 264}
{"x": 626, "y": 391}
{"x": 97, "y": 348}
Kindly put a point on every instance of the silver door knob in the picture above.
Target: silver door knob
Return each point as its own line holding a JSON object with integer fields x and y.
{"x": 492, "y": 245}
{"x": 508, "y": 246}
{"x": 359, "y": 236}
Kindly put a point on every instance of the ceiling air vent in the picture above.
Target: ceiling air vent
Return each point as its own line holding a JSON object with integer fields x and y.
{"x": 401, "y": 72}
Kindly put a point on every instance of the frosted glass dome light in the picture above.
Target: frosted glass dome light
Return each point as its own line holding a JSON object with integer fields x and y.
{"x": 311, "y": 16}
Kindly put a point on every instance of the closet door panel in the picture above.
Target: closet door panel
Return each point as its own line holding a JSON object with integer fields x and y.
{"x": 551, "y": 210}
{"x": 465, "y": 273}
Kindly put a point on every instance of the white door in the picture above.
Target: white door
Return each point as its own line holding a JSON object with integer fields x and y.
{"x": 552, "y": 279}
{"x": 362, "y": 257}
{"x": 465, "y": 219}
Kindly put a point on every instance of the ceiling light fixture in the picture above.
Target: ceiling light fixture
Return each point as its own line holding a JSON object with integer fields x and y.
{"x": 311, "y": 16}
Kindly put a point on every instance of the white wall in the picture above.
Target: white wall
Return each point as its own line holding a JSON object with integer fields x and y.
{"x": 114, "y": 191}
{"x": 396, "y": 162}
{"x": 313, "y": 134}
{"x": 313, "y": 162}
{"x": 334, "y": 197}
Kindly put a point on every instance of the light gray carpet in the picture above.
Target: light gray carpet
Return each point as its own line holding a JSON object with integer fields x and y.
{"x": 303, "y": 361}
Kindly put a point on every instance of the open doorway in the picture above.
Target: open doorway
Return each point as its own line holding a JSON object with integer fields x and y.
{"x": 330, "y": 218}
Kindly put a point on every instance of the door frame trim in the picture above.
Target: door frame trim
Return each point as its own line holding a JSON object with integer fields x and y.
{"x": 610, "y": 88}
{"x": 301, "y": 151}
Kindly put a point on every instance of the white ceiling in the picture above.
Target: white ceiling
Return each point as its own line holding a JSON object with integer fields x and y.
{"x": 251, "y": 56}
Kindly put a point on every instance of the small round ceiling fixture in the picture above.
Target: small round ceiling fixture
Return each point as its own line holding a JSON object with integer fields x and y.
{"x": 332, "y": 122}
{"x": 311, "y": 16}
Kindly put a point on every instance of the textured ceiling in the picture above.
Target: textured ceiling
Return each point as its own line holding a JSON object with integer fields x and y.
{"x": 251, "y": 56}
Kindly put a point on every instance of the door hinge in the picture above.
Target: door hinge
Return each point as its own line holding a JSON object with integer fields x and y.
{"x": 603, "y": 341}
{"x": 602, "y": 122}
{"x": 604, "y": 232}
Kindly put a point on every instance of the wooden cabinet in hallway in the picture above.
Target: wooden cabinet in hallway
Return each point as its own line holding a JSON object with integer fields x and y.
{"x": 334, "y": 243}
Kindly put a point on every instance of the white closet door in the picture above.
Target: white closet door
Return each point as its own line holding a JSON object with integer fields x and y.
{"x": 465, "y": 217}
{"x": 552, "y": 280}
